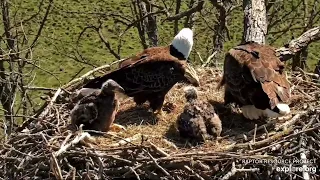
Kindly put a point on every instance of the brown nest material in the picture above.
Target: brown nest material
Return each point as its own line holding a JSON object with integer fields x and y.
{"x": 152, "y": 149}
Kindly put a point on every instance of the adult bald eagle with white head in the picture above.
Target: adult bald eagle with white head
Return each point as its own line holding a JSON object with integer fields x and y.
{"x": 149, "y": 75}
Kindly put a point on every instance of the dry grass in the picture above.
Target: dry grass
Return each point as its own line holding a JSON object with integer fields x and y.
{"x": 162, "y": 128}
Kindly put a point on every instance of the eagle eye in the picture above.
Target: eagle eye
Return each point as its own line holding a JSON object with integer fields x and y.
{"x": 143, "y": 56}
{"x": 255, "y": 54}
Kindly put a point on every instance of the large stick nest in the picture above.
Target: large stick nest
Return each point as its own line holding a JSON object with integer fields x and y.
{"x": 151, "y": 148}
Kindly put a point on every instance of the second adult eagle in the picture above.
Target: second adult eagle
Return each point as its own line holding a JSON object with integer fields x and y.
{"x": 150, "y": 78}
{"x": 255, "y": 79}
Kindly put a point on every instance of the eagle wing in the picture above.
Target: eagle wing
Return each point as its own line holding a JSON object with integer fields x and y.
{"x": 152, "y": 73}
{"x": 79, "y": 94}
{"x": 211, "y": 119}
{"x": 147, "y": 52}
{"x": 252, "y": 63}
{"x": 90, "y": 98}
{"x": 86, "y": 110}
{"x": 191, "y": 124}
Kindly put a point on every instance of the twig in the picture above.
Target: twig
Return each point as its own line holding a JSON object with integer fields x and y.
{"x": 234, "y": 170}
{"x": 255, "y": 133}
{"x": 43, "y": 113}
{"x": 55, "y": 167}
{"x": 39, "y": 88}
{"x": 135, "y": 173}
{"x": 209, "y": 59}
{"x": 307, "y": 95}
{"x": 192, "y": 10}
{"x": 290, "y": 122}
{"x": 199, "y": 55}
{"x": 262, "y": 142}
{"x": 307, "y": 73}
{"x": 76, "y": 140}
{"x": 196, "y": 174}
{"x": 284, "y": 139}
{"x": 86, "y": 75}
{"x": 159, "y": 150}
{"x": 54, "y": 98}
{"x": 126, "y": 140}
{"x": 158, "y": 166}
{"x": 170, "y": 144}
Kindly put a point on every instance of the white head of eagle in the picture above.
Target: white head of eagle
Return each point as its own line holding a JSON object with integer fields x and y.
{"x": 183, "y": 42}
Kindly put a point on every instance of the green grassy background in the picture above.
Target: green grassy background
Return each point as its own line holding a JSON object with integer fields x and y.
{"x": 69, "y": 18}
{"x": 59, "y": 40}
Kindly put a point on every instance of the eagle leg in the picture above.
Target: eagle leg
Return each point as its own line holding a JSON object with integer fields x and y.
{"x": 139, "y": 100}
{"x": 117, "y": 128}
{"x": 156, "y": 104}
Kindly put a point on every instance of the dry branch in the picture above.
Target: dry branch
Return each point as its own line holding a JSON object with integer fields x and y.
{"x": 43, "y": 113}
{"x": 234, "y": 170}
{"x": 79, "y": 80}
{"x": 76, "y": 140}
{"x": 298, "y": 44}
{"x": 190, "y": 11}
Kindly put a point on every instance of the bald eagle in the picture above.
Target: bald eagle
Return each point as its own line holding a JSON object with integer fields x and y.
{"x": 254, "y": 78}
{"x": 198, "y": 119}
{"x": 97, "y": 110}
{"x": 150, "y": 78}
{"x": 180, "y": 48}
{"x": 149, "y": 75}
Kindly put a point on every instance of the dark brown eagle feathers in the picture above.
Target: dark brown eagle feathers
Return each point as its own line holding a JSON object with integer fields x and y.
{"x": 179, "y": 48}
{"x": 152, "y": 51}
{"x": 198, "y": 119}
{"x": 97, "y": 110}
{"x": 150, "y": 78}
{"x": 254, "y": 75}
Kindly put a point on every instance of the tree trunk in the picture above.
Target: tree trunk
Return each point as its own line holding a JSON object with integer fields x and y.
{"x": 190, "y": 19}
{"x": 148, "y": 26}
{"x": 137, "y": 6}
{"x": 152, "y": 28}
{"x": 317, "y": 68}
{"x": 221, "y": 31}
{"x": 301, "y": 58}
{"x": 176, "y": 21}
{"x": 7, "y": 88}
{"x": 255, "y": 21}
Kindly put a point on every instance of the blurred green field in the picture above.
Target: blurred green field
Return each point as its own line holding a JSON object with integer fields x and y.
{"x": 59, "y": 40}
{"x": 69, "y": 18}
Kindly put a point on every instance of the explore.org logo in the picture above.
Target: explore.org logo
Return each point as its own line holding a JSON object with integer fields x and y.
{"x": 287, "y": 165}
{"x": 287, "y": 169}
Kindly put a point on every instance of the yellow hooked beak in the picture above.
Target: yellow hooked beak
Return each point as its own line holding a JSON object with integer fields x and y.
{"x": 191, "y": 75}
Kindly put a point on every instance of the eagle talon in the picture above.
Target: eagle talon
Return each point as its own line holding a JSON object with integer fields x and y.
{"x": 158, "y": 112}
{"x": 117, "y": 128}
